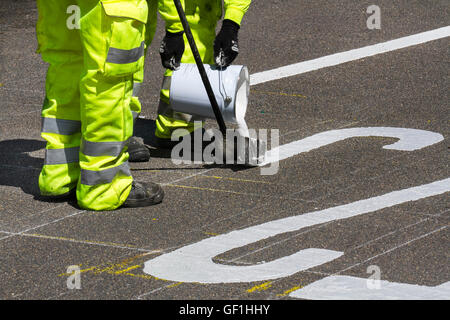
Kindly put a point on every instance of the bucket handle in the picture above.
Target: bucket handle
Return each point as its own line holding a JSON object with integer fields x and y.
{"x": 225, "y": 97}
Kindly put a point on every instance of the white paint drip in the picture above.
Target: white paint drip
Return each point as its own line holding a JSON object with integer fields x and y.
{"x": 242, "y": 128}
{"x": 193, "y": 263}
{"x": 352, "y": 288}
{"x": 347, "y": 56}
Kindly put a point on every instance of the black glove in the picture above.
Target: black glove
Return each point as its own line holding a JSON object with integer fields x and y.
{"x": 171, "y": 50}
{"x": 226, "y": 46}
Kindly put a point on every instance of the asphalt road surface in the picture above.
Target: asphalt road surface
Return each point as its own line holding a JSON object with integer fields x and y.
{"x": 358, "y": 208}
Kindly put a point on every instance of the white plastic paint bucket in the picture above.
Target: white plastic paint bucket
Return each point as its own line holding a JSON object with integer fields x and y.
{"x": 231, "y": 87}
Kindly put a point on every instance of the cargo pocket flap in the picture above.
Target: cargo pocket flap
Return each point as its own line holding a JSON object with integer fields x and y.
{"x": 137, "y": 10}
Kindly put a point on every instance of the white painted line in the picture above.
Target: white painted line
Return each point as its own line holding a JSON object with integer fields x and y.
{"x": 193, "y": 263}
{"x": 409, "y": 140}
{"x": 347, "y": 56}
{"x": 352, "y": 288}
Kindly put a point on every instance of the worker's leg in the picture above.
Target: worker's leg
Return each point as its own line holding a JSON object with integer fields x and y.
{"x": 113, "y": 40}
{"x": 137, "y": 150}
{"x": 60, "y": 47}
{"x": 169, "y": 120}
{"x": 138, "y": 77}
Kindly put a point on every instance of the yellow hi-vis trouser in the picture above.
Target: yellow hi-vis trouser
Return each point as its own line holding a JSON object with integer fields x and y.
{"x": 86, "y": 117}
{"x": 169, "y": 120}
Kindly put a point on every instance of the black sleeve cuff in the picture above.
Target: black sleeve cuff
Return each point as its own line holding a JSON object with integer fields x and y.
{"x": 230, "y": 24}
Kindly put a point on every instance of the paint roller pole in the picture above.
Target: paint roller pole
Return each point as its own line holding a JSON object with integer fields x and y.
{"x": 201, "y": 68}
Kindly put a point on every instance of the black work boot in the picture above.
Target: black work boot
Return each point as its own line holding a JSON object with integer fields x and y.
{"x": 138, "y": 151}
{"x": 144, "y": 194}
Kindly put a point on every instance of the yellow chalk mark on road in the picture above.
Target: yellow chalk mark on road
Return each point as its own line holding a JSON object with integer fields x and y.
{"x": 348, "y": 125}
{"x": 281, "y": 94}
{"x": 121, "y": 268}
{"x": 245, "y": 180}
{"x": 142, "y": 276}
{"x": 128, "y": 269}
{"x": 235, "y": 179}
{"x": 211, "y": 234}
{"x": 206, "y": 189}
{"x": 289, "y": 291}
{"x": 175, "y": 285}
{"x": 260, "y": 287}
{"x": 146, "y": 170}
{"x": 81, "y": 271}
{"x": 226, "y": 191}
{"x": 80, "y": 241}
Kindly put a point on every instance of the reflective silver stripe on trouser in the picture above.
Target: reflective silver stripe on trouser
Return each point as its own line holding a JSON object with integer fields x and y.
{"x": 61, "y": 156}
{"x": 60, "y": 126}
{"x": 92, "y": 178}
{"x": 99, "y": 149}
{"x": 120, "y": 56}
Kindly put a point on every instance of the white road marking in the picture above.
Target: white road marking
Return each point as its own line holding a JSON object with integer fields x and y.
{"x": 352, "y": 288}
{"x": 409, "y": 140}
{"x": 347, "y": 56}
{"x": 193, "y": 263}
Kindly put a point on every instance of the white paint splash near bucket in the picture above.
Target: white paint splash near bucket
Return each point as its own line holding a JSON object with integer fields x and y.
{"x": 231, "y": 88}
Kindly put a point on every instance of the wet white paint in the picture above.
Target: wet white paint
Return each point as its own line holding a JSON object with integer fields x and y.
{"x": 409, "y": 140}
{"x": 353, "y": 288}
{"x": 193, "y": 263}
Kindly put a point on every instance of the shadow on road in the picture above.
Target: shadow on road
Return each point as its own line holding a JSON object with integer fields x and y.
{"x": 17, "y": 167}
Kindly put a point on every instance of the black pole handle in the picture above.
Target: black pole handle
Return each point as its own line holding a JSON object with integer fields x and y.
{"x": 201, "y": 68}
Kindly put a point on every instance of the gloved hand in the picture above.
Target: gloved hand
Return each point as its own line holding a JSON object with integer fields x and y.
{"x": 171, "y": 50}
{"x": 226, "y": 46}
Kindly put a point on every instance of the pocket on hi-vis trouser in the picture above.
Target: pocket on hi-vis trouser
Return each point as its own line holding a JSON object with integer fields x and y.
{"x": 126, "y": 21}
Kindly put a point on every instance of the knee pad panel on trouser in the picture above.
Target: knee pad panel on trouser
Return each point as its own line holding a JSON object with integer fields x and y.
{"x": 113, "y": 37}
{"x": 169, "y": 120}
